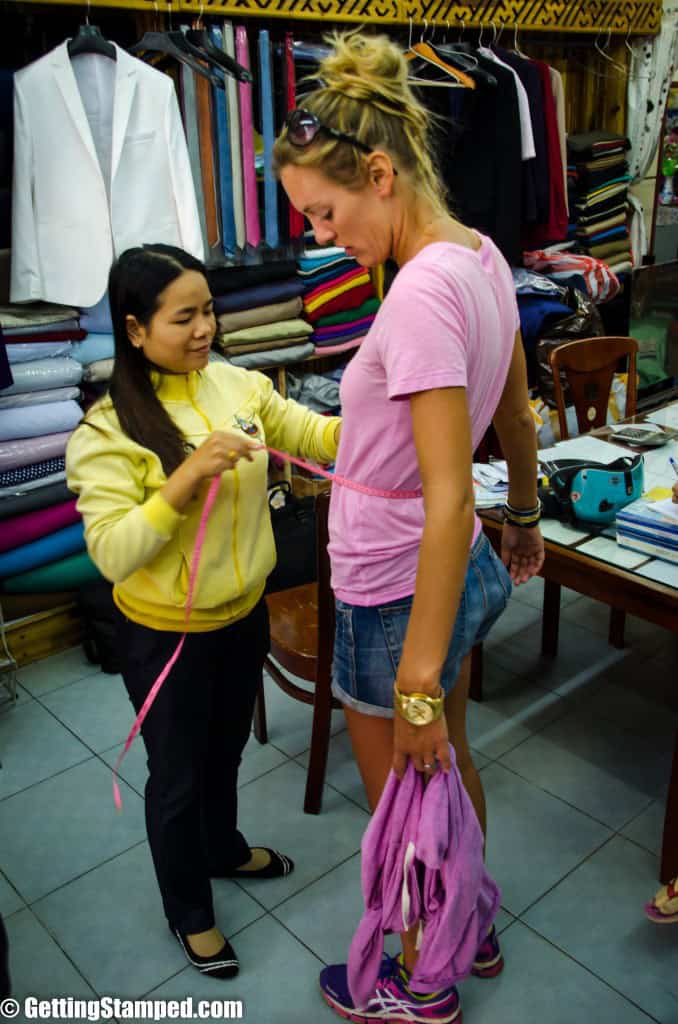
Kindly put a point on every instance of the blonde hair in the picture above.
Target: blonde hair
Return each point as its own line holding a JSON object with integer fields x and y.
{"x": 366, "y": 94}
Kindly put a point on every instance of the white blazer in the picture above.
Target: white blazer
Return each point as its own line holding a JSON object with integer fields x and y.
{"x": 100, "y": 165}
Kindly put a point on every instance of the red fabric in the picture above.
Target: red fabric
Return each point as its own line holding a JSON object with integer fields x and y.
{"x": 45, "y": 335}
{"x": 555, "y": 230}
{"x": 351, "y": 299}
{"x": 296, "y": 218}
{"x": 22, "y": 529}
{"x": 328, "y": 286}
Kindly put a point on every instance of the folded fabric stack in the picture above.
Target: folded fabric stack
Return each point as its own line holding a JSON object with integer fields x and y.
{"x": 259, "y": 315}
{"x": 598, "y": 181}
{"x": 96, "y": 353}
{"x": 339, "y": 299}
{"x": 42, "y": 547}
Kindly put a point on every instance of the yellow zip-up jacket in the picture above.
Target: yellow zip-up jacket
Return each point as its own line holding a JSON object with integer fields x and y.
{"x": 142, "y": 544}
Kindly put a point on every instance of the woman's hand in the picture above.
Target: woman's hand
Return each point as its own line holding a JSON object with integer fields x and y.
{"x": 522, "y": 551}
{"x": 221, "y": 451}
{"x": 425, "y": 744}
{"x": 675, "y": 492}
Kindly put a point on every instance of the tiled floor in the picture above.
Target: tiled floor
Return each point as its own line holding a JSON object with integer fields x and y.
{"x": 574, "y": 755}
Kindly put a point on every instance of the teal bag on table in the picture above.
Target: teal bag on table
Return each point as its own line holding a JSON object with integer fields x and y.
{"x": 591, "y": 492}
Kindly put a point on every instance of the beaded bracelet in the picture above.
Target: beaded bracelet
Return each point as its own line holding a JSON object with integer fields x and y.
{"x": 522, "y": 517}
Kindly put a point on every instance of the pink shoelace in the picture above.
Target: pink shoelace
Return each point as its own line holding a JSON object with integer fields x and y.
{"x": 195, "y": 563}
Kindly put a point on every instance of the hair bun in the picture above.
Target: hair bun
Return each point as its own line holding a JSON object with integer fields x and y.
{"x": 368, "y": 68}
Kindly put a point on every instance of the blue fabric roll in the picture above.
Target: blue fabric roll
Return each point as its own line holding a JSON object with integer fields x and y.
{"x": 259, "y": 295}
{"x": 44, "y": 374}
{"x": 48, "y": 549}
{"x": 94, "y": 347}
{"x": 26, "y": 352}
{"x": 97, "y": 318}
{"x": 268, "y": 132}
{"x": 228, "y": 236}
{"x": 36, "y": 420}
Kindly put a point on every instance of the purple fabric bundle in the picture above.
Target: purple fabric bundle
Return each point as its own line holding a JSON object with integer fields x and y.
{"x": 422, "y": 860}
{"x": 25, "y": 451}
{"x": 23, "y": 529}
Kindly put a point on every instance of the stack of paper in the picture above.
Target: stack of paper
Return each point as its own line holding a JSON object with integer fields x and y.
{"x": 650, "y": 527}
{"x": 490, "y": 482}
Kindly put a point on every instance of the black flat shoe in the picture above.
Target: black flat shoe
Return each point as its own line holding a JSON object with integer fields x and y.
{"x": 223, "y": 964}
{"x": 278, "y": 866}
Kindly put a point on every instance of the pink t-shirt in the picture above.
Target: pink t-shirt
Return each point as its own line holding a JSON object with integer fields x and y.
{"x": 449, "y": 320}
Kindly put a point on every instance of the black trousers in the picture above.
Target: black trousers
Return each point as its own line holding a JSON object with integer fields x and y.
{"x": 194, "y": 734}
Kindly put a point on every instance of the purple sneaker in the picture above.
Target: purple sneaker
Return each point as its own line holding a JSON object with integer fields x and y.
{"x": 489, "y": 961}
{"x": 391, "y": 1002}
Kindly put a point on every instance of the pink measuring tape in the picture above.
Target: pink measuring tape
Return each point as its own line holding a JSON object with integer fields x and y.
{"x": 342, "y": 481}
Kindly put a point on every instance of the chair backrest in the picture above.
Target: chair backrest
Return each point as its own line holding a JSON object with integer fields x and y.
{"x": 589, "y": 365}
{"x": 325, "y": 595}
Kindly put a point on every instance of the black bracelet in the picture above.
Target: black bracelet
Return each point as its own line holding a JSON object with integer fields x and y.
{"x": 522, "y": 512}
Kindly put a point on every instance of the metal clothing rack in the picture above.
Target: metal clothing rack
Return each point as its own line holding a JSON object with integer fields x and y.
{"x": 627, "y": 17}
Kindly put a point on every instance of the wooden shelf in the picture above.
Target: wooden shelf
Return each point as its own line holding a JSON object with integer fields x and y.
{"x": 635, "y": 17}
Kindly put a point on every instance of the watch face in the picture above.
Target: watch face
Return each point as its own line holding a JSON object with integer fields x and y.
{"x": 419, "y": 712}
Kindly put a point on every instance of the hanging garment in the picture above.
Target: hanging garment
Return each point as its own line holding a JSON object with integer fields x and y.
{"x": 70, "y": 216}
{"x": 296, "y": 218}
{"x": 190, "y": 104}
{"x": 223, "y": 141}
{"x": 482, "y": 164}
{"x": 536, "y": 187}
{"x": 234, "y": 133}
{"x": 653, "y": 61}
{"x": 252, "y": 227}
{"x": 554, "y": 229}
{"x": 268, "y": 131}
{"x": 527, "y": 149}
{"x": 558, "y": 90}
{"x": 422, "y": 860}
{"x": 203, "y": 97}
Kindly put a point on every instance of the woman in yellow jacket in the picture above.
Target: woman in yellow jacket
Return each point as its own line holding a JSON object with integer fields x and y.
{"x": 142, "y": 462}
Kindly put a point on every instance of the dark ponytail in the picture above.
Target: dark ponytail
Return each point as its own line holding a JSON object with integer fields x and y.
{"x": 136, "y": 280}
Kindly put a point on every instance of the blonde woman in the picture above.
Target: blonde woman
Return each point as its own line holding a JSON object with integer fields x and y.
{"x": 416, "y": 582}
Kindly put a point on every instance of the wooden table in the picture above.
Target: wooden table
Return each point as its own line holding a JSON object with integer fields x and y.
{"x": 623, "y": 589}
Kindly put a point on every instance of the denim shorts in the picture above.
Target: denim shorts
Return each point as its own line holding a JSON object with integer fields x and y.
{"x": 369, "y": 641}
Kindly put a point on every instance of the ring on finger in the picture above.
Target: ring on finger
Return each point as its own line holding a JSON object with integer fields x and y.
{"x": 232, "y": 455}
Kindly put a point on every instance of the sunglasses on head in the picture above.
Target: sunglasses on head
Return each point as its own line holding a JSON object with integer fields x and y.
{"x": 303, "y": 127}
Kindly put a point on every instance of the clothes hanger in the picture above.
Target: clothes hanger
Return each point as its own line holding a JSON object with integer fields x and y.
{"x": 423, "y": 52}
{"x": 618, "y": 67}
{"x": 201, "y": 41}
{"x": 90, "y": 40}
{"x": 174, "y": 44}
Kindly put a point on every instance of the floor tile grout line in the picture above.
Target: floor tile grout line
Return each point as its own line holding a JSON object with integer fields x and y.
{"x": 48, "y": 778}
{"x": 56, "y": 942}
{"x": 83, "y": 874}
{"x": 307, "y": 885}
{"x": 570, "y": 871}
{"x": 613, "y": 829}
{"x": 589, "y": 970}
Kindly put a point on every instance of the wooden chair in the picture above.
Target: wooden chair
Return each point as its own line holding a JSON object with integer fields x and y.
{"x": 302, "y": 640}
{"x": 588, "y": 365}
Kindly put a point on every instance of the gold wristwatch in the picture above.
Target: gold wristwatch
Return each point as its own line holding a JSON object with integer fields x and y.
{"x": 418, "y": 708}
